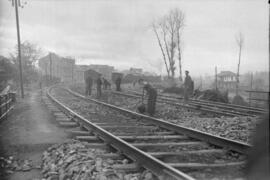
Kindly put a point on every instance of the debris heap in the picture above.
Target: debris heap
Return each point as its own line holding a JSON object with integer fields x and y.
{"x": 75, "y": 160}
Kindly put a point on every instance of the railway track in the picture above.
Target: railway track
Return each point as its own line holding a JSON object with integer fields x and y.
{"x": 169, "y": 151}
{"x": 202, "y": 105}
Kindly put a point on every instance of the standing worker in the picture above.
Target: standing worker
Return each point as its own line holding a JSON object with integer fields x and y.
{"x": 99, "y": 84}
{"x": 106, "y": 83}
{"x": 152, "y": 97}
{"x": 188, "y": 86}
{"x": 118, "y": 83}
{"x": 89, "y": 83}
{"x": 86, "y": 86}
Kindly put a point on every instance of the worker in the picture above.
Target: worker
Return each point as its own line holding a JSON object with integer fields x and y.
{"x": 188, "y": 86}
{"x": 258, "y": 163}
{"x": 99, "y": 84}
{"x": 134, "y": 83}
{"x": 89, "y": 83}
{"x": 106, "y": 84}
{"x": 118, "y": 83}
{"x": 152, "y": 97}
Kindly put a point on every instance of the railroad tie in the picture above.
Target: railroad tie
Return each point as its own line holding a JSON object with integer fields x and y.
{"x": 98, "y": 146}
{"x": 88, "y": 138}
{"x": 68, "y": 124}
{"x": 136, "y": 134}
{"x": 207, "y": 165}
{"x": 128, "y": 127}
{"x": 170, "y": 144}
{"x": 132, "y": 167}
{"x": 78, "y": 133}
{"x": 59, "y": 119}
{"x": 170, "y": 137}
{"x": 186, "y": 153}
{"x": 110, "y": 156}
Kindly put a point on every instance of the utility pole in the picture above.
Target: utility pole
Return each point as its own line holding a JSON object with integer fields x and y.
{"x": 240, "y": 42}
{"x": 46, "y": 73}
{"x": 50, "y": 67}
{"x": 251, "y": 82}
{"x": 216, "y": 78}
{"x": 72, "y": 68}
{"x": 201, "y": 82}
{"x": 19, "y": 43}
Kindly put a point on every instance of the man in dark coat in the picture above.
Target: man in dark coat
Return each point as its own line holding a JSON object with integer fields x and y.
{"x": 99, "y": 84}
{"x": 118, "y": 83}
{"x": 188, "y": 86}
{"x": 89, "y": 83}
{"x": 106, "y": 83}
{"x": 152, "y": 98}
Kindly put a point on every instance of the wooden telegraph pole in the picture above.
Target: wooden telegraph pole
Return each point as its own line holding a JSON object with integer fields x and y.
{"x": 216, "y": 78}
{"x": 251, "y": 82}
{"x": 50, "y": 67}
{"x": 17, "y": 3}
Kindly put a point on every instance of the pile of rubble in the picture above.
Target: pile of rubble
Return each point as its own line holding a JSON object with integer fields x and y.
{"x": 9, "y": 165}
{"x": 74, "y": 160}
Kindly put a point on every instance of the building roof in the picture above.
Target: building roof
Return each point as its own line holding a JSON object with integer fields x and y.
{"x": 226, "y": 73}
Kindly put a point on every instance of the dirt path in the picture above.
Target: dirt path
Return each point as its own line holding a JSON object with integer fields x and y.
{"x": 28, "y": 131}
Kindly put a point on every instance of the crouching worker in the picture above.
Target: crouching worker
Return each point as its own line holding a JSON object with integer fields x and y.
{"x": 152, "y": 97}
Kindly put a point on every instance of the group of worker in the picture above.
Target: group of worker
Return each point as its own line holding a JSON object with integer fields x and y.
{"x": 151, "y": 92}
{"x": 99, "y": 81}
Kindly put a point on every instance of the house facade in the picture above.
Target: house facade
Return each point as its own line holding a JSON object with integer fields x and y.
{"x": 59, "y": 67}
{"x": 226, "y": 80}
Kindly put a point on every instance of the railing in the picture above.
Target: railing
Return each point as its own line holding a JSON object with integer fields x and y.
{"x": 6, "y": 104}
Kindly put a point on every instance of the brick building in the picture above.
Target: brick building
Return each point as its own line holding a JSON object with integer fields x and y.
{"x": 57, "y": 66}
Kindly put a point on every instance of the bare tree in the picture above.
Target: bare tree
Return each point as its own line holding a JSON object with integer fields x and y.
{"x": 240, "y": 42}
{"x": 30, "y": 53}
{"x": 161, "y": 48}
{"x": 169, "y": 28}
{"x": 180, "y": 18}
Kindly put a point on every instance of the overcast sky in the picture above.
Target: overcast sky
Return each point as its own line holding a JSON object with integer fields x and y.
{"x": 118, "y": 32}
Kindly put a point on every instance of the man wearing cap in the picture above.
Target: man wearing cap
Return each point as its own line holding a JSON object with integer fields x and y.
{"x": 118, "y": 83}
{"x": 188, "y": 86}
{"x": 152, "y": 97}
{"x": 99, "y": 84}
{"x": 89, "y": 83}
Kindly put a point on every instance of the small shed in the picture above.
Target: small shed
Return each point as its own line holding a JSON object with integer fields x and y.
{"x": 115, "y": 75}
{"x": 227, "y": 79}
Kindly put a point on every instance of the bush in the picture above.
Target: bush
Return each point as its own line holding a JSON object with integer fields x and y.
{"x": 212, "y": 95}
{"x": 239, "y": 100}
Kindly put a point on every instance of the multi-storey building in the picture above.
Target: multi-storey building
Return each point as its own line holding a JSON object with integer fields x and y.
{"x": 55, "y": 66}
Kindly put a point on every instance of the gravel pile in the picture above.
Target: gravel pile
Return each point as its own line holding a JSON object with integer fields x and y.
{"x": 73, "y": 160}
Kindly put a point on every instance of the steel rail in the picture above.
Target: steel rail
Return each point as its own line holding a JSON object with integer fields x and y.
{"x": 162, "y": 170}
{"x": 4, "y": 104}
{"x": 195, "y": 107}
{"x": 6, "y": 113}
{"x": 228, "y": 106}
{"x": 196, "y": 134}
{"x": 220, "y": 104}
